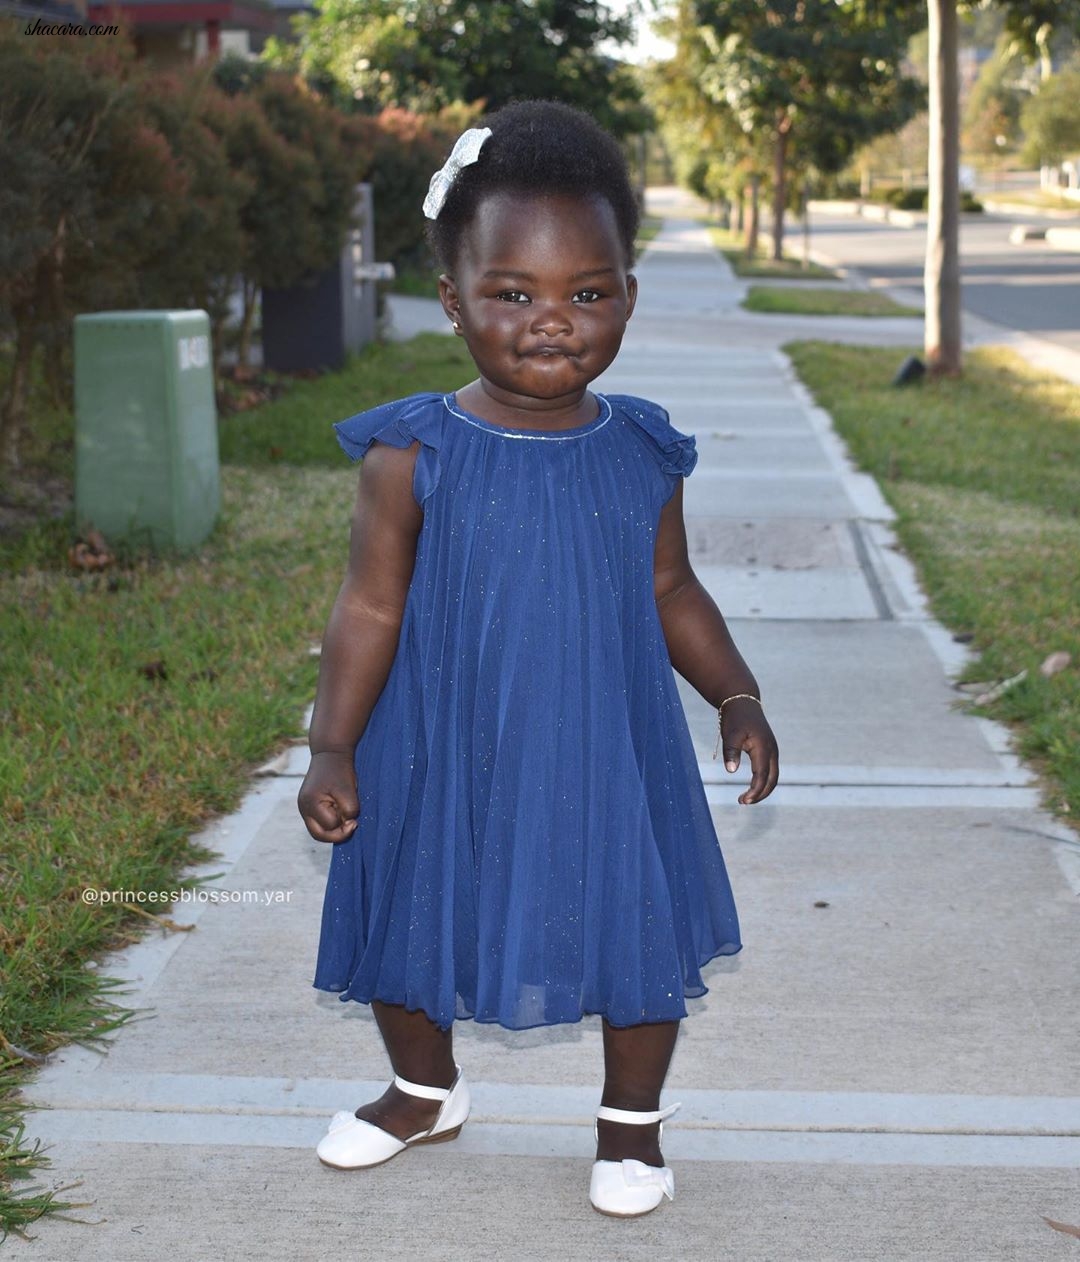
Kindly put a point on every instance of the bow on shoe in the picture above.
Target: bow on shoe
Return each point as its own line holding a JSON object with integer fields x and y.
{"x": 638, "y": 1174}
{"x": 339, "y": 1120}
{"x": 465, "y": 152}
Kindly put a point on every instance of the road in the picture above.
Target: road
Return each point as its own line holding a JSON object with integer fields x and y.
{"x": 1032, "y": 287}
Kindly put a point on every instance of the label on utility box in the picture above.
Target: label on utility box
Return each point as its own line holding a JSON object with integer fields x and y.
{"x": 193, "y": 352}
{"x": 374, "y": 271}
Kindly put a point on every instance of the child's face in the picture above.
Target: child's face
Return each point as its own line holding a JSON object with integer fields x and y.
{"x": 542, "y": 294}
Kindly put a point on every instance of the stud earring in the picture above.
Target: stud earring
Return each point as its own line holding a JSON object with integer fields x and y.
{"x": 457, "y": 327}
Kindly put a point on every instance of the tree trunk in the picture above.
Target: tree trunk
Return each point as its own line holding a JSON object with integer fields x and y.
{"x": 805, "y": 224}
{"x": 740, "y": 213}
{"x": 247, "y": 322}
{"x": 753, "y": 229}
{"x": 779, "y": 192}
{"x": 13, "y": 407}
{"x": 1042, "y": 43}
{"x": 942, "y": 276}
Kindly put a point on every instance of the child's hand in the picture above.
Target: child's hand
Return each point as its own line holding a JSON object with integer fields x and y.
{"x": 327, "y": 799}
{"x": 744, "y": 726}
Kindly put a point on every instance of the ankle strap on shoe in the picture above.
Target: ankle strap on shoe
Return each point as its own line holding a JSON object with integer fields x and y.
{"x": 630, "y": 1117}
{"x": 425, "y": 1093}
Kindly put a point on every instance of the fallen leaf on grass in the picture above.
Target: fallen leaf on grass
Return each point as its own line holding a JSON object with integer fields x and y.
{"x": 164, "y": 921}
{"x": 1055, "y": 663}
{"x": 1069, "y": 1231}
{"x": 277, "y": 765}
{"x": 91, "y": 553}
{"x": 32, "y": 1058}
{"x": 1000, "y": 689}
{"x": 154, "y": 670}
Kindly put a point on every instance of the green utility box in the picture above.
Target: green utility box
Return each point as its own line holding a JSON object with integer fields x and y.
{"x": 146, "y": 447}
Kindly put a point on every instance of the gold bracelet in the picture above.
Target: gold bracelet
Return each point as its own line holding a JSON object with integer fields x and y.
{"x": 739, "y": 696}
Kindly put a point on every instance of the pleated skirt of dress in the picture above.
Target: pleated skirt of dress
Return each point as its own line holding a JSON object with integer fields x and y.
{"x": 534, "y": 841}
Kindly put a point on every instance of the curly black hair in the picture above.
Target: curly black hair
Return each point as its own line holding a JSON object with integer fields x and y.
{"x": 538, "y": 147}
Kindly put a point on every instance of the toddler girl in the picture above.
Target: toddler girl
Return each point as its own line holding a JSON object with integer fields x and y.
{"x": 531, "y": 842}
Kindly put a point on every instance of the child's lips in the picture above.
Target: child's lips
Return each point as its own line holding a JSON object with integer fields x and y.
{"x": 548, "y": 352}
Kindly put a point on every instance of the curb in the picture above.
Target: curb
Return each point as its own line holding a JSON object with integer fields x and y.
{"x": 996, "y": 207}
{"x": 1064, "y": 239}
{"x": 877, "y": 212}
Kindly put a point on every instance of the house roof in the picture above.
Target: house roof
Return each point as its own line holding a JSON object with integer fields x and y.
{"x": 252, "y": 15}
{"x": 52, "y": 11}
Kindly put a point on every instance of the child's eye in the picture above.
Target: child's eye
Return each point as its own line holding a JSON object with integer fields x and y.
{"x": 587, "y": 295}
{"x": 512, "y": 295}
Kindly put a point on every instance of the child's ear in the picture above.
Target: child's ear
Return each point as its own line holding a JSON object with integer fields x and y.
{"x": 451, "y": 303}
{"x": 631, "y": 294}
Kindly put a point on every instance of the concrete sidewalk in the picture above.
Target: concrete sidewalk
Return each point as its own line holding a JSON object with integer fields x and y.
{"x": 889, "y": 1070}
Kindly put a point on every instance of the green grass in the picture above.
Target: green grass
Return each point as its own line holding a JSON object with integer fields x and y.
{"x": 1037, "y": 199}
{"x": 136, "y": 702}
{"x": 648, "y": 228}
{"x": 420, "y": 282}
{"x": 842, "y": 302}
{"x": 762, "y": 266}
{"x": 295, "y": 429}
{"x": 984, "y": 474}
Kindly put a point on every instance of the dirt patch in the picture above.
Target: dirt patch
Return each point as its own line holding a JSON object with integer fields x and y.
{"x": 30, "y": 497}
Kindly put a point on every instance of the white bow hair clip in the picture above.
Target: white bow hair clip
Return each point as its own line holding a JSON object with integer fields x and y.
{"x": 464, "y": 153}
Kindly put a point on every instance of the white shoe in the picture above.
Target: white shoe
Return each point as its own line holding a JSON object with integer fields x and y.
{"x": 628, "y": 1188}
{"x": 350, "y": 1143}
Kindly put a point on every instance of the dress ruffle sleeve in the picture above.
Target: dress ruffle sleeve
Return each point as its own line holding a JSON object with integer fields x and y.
{"x": 675, "y": 452}
{"x": 400, "y": 424}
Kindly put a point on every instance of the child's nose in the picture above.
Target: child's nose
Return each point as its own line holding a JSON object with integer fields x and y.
{"x": 550, "y": 318}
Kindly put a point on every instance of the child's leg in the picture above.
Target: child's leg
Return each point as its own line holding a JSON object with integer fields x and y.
{"x": 636, "y": 1060}
{"x": 419, "y": 1052}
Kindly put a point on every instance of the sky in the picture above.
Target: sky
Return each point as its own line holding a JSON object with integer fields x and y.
{"x": 648, "y": 45}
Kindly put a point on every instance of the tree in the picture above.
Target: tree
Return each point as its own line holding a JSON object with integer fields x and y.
{"x": 993, "y": 108}
{"x": 818, "y": 77}
{"x": 941, "y": 274}
{"x": 1051, "y": 118}
{"x": 423, "y": 55}
{"x": 193, "y": 239}
{"x": 712, "y": 154}
{"x": 1032, "y": 24}
{"x": 82, "y": 174}
{"x": 129, "y": 189}
{"x": 303, "y": 162}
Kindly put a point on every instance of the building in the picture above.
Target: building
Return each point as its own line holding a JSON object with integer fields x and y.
{"x": 170, "y": 31}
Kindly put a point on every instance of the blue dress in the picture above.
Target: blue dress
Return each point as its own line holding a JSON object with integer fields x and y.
{"x": 534, "y": 841}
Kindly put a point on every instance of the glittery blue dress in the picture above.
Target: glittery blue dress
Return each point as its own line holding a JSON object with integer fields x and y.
{"x": 534, "y": 841}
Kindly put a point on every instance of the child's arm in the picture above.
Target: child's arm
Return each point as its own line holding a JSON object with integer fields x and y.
{"x": 702, "y": 651}
{"x": 361, "y": 636}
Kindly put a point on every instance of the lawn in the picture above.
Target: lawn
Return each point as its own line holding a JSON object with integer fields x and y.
{"x": 777, "y": 300}
{"x": 648, "y": 228}
{"x": 984, "y": 474}
{"x": 762, "y": 266}
{"x": 137, "y": 701}
{"x": 417, "y": 282}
